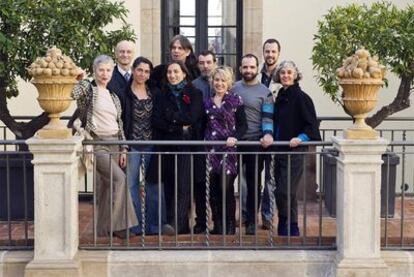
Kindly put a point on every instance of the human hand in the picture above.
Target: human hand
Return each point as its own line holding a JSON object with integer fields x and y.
{"x": 81, "y": 75}
{"x": 266, "y": 140}
{"x": 294, "y": 142}
{"x": 231, "y": 141}
{"x": 123, "y": 159}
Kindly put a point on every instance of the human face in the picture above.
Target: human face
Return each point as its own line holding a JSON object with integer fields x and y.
{"x": 219, "y": 84}
{"x": 248, "y": 69}
{"x": 271, "y": 53}
{"x": 103, "y": 74}
{"x": 178, "y": 53}
{"x": 287, "y": 76}
{"x": 175, "y": 74}
{"x": 141, "y": 73}
{"x": 124, "y": 53}
{"x": 206, "y": 65}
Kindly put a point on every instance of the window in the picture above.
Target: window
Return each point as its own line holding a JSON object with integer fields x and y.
{"x": 209, "y": 24}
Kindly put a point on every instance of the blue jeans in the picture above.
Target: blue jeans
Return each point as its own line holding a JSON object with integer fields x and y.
{"x": 135, "y": 160}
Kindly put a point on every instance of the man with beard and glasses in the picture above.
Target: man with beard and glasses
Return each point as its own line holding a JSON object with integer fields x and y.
{"x": 206, "y": 64}
{"x": 258, "y": 104}
{"x": 271, "y": 52}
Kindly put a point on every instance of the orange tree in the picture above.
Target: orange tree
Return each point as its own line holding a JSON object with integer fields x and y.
{"x": 384, "y": 30}
{"x": 28, "y": 28}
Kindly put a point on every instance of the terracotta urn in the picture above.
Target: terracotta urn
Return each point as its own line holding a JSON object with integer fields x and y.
{"x": 54, "y": 77}
{"x": 360, "y": 77}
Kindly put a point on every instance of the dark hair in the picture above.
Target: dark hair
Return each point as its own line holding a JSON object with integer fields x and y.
{"x": 250, "y": 55}
{"x": 272, "y": 40}
{"x": 208, "y": 52}
{"x": 191, "y": 60}
{"x": 181, "y": 65}
{"x": 141, "y": 60}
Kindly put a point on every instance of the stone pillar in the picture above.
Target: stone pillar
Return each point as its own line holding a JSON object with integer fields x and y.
{"x": 56, "y": 233}
{"x": 358, "y": 203}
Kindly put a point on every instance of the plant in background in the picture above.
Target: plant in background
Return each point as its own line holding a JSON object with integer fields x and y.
{"x": 28, "y": 28}
{"x": 384, "y": 30}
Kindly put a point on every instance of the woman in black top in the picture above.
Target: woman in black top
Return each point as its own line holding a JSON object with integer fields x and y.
{"x": 177, "y": 115}
{"x": 137, "y": 110}
{"x": 294, "y": 121}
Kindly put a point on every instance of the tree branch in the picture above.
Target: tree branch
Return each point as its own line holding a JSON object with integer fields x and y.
{"x": 400, "y": 102}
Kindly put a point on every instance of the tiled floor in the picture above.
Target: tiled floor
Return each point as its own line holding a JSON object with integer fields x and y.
{"x": 319, "y": 232}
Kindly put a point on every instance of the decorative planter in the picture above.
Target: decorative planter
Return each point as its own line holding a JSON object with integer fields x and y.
{"x": 361, "y": 76}
{"x": 359, "y": 98}
{"x": 54, "y": 98}
{"x": 54, "y": 77}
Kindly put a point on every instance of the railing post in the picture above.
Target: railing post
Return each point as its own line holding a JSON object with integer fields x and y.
{"x": 358, "y": 207}
{"x": 56, "y": 231}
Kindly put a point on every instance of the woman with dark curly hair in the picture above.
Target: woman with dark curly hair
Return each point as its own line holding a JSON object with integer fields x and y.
{"x": 294, "y": 121}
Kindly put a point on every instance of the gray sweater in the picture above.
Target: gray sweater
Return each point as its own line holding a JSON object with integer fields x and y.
{"x": 258, "y": 106}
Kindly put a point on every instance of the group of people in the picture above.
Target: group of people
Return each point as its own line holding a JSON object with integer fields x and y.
{"x": 192, "y": 98}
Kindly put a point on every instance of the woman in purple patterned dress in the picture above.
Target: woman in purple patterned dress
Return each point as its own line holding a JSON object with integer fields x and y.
{"x": 226, "y": 120}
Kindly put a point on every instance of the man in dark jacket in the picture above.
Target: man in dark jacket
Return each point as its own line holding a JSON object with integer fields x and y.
{"x": 124, "y": 53}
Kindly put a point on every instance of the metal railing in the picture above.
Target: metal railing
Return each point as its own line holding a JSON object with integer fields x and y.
{"x": 317, "y": 222}
{"x": 317, "y": 230}
{"x": 16, "y": 198}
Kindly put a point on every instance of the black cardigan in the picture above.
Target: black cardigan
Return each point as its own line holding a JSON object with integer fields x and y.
{"x": 127, "y": 108}
{"x": 168, "y": 121}
{"x": 295, "y": 114}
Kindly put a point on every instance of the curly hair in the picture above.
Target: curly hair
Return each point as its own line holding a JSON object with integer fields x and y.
{"x": 286, "y": 64}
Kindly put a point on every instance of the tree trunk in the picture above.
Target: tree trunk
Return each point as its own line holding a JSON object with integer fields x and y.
{"x": 400, "y": 102}
{"x": 22, "y": 130}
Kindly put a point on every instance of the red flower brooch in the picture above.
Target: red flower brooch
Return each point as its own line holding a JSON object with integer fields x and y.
{"x": 186, "y": 99}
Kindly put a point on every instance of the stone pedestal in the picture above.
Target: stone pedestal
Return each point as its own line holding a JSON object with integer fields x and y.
{"x": 358, "y": 207}
{"x": 56, "y": 207}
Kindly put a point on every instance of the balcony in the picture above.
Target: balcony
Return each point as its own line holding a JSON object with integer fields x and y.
{"x": 318, "y": 228}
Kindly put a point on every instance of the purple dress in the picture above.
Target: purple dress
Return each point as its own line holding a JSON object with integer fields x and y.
{"x": 221, "y": 124}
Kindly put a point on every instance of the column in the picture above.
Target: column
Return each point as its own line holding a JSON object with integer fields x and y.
{"x": 358, "y": 207}
{"x": 56, "y": 233}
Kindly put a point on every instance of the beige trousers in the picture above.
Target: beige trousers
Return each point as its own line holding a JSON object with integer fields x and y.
{"x": 117, "y": 211}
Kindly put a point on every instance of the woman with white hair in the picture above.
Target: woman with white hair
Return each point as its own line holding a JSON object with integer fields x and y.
{"x": 294, "y": 121}
{"x": 100, "y": 114}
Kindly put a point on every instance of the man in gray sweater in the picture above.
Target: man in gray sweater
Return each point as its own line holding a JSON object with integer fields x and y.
{"x": 258, "y": 105}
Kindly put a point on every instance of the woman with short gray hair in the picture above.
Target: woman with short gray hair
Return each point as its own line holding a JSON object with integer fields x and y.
{"x": 100, "y": 114}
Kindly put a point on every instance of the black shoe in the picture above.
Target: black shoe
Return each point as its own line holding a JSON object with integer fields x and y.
{"x": 282, "y": 227}
{"x": 294, "y": 230}
{"x": 122, "y": 234}
{"x": 231, "y": 228}
{"x": 199, "y": 228}
{"x": 168, "y": 230}
{"x": 266, "y": 225}
{"x": 218, "y": 229}
{"x": 250, "y": 229}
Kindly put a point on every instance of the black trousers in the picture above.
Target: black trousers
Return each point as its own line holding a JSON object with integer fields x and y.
{"x": 254, "y": 166}
{"x": 286, "y": 188}
{"x": 217, "y": 186}
{"x": 179, "y": 190}
{"x": 200, "y": 189}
